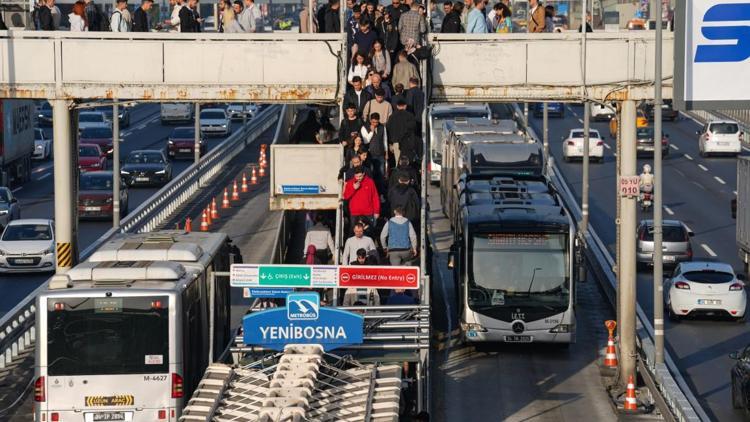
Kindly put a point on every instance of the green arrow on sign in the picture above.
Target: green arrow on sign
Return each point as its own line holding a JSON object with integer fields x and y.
{"x": 285, "y": 276}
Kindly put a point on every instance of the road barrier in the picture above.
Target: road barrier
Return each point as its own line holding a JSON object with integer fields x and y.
{"x": 17, "y": 330}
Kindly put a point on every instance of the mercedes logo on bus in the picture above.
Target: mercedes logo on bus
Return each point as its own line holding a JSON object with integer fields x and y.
{"x": 517, "y": 327}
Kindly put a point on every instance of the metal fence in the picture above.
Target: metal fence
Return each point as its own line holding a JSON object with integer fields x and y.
{"x": 17, "y": 331}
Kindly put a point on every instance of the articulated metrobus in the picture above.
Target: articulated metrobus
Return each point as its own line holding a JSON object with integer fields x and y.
{"x": 514, "y": 259}
{"x": 127, "y": 334}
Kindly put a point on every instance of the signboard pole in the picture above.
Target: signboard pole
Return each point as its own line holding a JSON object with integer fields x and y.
{"x": 658, "y": 259}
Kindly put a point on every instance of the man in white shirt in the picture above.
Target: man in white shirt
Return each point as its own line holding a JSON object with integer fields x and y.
{"x": 356, "y": 242}
{"x": 119, "y": 22}
{"x": 173, "y": 23}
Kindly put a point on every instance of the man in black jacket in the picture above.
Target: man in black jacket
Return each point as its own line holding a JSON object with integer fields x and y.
{"x": 402, "y": 129}
{"x": 358, "y": 95}
{"x": 415, "y": 101}
{"x": 331, "y": 19}
{"x": 140, "y": 17}
{"x": 351, "y": 123}
{"x": 45, "y": 18}
{"x": 405, "y": 197}
{"x": 187, "y": 18}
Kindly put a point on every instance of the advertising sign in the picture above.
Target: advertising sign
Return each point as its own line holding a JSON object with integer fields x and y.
{"x": 712, "y": 46}
{"x": 303, "y": 321}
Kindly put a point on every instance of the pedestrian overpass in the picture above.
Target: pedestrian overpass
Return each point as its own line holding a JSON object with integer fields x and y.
{"x": 308, "y": 68}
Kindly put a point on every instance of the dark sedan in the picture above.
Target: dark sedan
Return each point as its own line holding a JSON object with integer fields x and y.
{"x": 95, "y": 196}
{"x": 123, "y": 113}
{"x": 553, "y": 109}
{"x": 146, "y": 167}
{"x": 645, "y": 141}
{"x": 182, "y": 141}
{"x": 99, "y": 135}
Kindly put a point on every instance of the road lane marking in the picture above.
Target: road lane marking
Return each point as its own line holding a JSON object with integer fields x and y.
{"x": 702, "y": 167}
{"x": 734, "y": 192}
{"x": 44, "y": 176}
{"x": 17, "y": 189}
{"x": 674, "y": 147}
{"x": 688, "y": 157}
{"x": 708, "y": 250}
{"x": 669, "y": 211}
{"x": 607, "y": 146}
{"x": 42, "y": 168}
{"x": 579, "y": 120}
{"x": 718, "y": 179}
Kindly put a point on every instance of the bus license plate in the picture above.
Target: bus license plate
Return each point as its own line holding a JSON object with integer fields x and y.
{"x": 109, "y": 417}
{"x": 518, "y": 339}
{"x": 709, "y": 301}
{"x": 92, "y": 208}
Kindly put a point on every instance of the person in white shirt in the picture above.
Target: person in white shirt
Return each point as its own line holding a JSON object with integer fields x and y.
{"x": 356, "y": 242}
{"x": 173, "y": 23}
{"x": 319, "y": 236}
{"x": 77, "y": 17}
{"x": 118, "y": 22}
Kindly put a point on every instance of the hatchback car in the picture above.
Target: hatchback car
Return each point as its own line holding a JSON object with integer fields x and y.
{"x": 146, "y": 167}
{"x": 215, "y": 121}
{"x": 705, "y": 288}
{"x": 98, "y": 135}
{"x": 10, "y": 209}
{"x": 181, "y": 142}
{"x": 91, "y": 158}
{"x": 573, "y": 145}
{"x": 720, "y": 137}
{"x": 644, "y": 137}
{"x": 676, "y": 245}
{"x": 553, "y": 109}
{"x": 92, "y": 118}
{"x": 741, "y": 380}
{"x": 239, "y": 110}
{"x": 42, "y": 145}
{"x": 95, "y": 196}
{"x": 28, "y": 246}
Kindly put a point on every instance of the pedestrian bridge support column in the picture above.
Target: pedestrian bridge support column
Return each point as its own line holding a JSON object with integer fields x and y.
{"x": 66, "y": 183}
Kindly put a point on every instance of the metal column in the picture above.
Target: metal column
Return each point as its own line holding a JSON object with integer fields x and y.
{"x": 658, "y": 259}
{"x": 545, "y": 131}
{"x": 197, "y": 141}
{"x": 585, "y": 188}
{"x": 66, "y": 184}
{"x": 526, "y": 118}
{"x": 627, "y": 264}
{"x": 115, "y": 165}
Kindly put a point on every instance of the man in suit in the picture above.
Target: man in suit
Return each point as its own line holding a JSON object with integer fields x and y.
{"x": 140, "y": 17}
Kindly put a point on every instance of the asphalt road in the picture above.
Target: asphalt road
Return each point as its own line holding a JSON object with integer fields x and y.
{"x": 697, "y": 191}
{"x": 37, "y": 196}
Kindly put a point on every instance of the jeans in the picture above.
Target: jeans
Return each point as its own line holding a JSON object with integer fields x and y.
{"x": 400, "y": 257}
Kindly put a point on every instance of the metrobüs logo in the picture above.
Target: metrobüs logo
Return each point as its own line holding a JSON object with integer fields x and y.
{"x": 739, "y": 35}
{"x": 303, "y": 306}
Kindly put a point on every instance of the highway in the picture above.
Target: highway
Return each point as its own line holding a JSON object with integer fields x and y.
{"x": 37, "y": 197}
{"x": 698, "y": 192}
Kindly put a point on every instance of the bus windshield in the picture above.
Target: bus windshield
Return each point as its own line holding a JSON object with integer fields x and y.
{"x": 107, "y": 335}
{"x": 518, "y": 269}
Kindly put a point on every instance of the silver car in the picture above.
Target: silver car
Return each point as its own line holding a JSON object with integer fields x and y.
{"x": 10, "y": 209}
{"x": 676, "y": 246}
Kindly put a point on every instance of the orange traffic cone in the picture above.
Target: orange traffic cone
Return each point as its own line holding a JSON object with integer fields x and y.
{"x": 225, "y": 201}
{"x": 208, "y": 215}
{"x": 245, "y": 188}
{"x": 262, "y": 171}
{"x": 235, "y": 192}
{"x": 263, "y": 147}
{"x": 214, "y": 211}
{"x": 204, "y": 222}
{"x": 253, "y": 177}
{"x": 630, "y": 401}
{"x": 610, "y": 357}
{"x": 188, "y": 225}
{"x": 262, "y": 159}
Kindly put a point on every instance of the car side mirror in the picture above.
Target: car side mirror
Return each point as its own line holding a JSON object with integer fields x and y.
{"x": 691, "y": 233}
{"x": 734, "y": 355}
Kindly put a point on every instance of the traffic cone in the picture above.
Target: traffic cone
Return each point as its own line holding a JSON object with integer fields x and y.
{"x": 263, "y": 147}
{"x": 204, "y": 222}
{"x": 208, "y": 215}
{"x": 262, "y": 159}
{"x": 225, "y": 201}
{"x": 630, "y": 401}
{"x": 188, "y": 225}
{"x": 214, "y": 211}
{"x": 245, "y": 188}
{"x": 610, "y": 357}
{"x": 253, "y": 178}
{"x": 262, "y": 171}
{"x": 235, "y": 192}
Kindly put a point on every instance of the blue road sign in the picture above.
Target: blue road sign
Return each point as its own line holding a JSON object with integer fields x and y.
{"x": 270, "y": 293}
{"x": 300, "y": 189}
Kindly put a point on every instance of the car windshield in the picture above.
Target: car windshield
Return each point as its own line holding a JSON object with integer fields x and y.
{"x": 213, "y": 115}
{"x": 21, "y": 232}
{"x": 579, "y": 134}
{"x": 458, "y": 114}
{"x": 183, "y": 133}
{"x": 519, "y": 269}
{"x": 88, "y": 151}
{"x": 107, "y": 335}
{"x": 669, "y": 233}
{"x": 96, "y": 182}
{"x": 708, "y": 276}
{"x": 724, "y": 128}
{"x": 90, "y": 117}
{"x": 644, "y": 133}
{"x": 96, "y": 133}
{"x": 145, "y": 158}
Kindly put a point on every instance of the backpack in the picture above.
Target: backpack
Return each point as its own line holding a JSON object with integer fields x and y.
{"x": 109, "y": 26}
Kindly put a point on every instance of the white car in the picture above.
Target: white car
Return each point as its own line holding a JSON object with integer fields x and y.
{"x": 42, "y": 145}
{"x": 720, "y": 137}
{"x": 215, "y": 121}
{"x": 28, "y": 246}
{"x": 176, "y": 112}
{"x": 705, "y": 288}
{"x": 573, "y": 145}
{"x": 237, "y": 111}
{"x": 600, "y": 112}
{"x": 91, "y": 119}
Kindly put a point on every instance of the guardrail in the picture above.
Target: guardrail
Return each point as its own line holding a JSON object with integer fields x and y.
{"x": 667, "y": 378}
{"x": 17, "y": 330}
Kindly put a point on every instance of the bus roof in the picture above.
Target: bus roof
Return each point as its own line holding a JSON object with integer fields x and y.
{"x": 504, "y": 158}
{"x": 507, "y": 184}
{"x": 511, "y": 198}
{"x": 462, "y": 126}
{"x": 472, "y": 138}
{"x": 518, "y": 217}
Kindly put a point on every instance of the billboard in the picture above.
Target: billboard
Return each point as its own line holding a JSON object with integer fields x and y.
{"x": 712, "y": 48}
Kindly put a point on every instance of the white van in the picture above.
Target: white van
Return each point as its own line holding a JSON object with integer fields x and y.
{"x": 720, "y": 137}
{"x": 176, "y": 112}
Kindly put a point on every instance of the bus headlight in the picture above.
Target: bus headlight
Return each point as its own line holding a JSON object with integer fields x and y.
{"x": 562, "y": 329}
{"x": 473, "y": 327}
